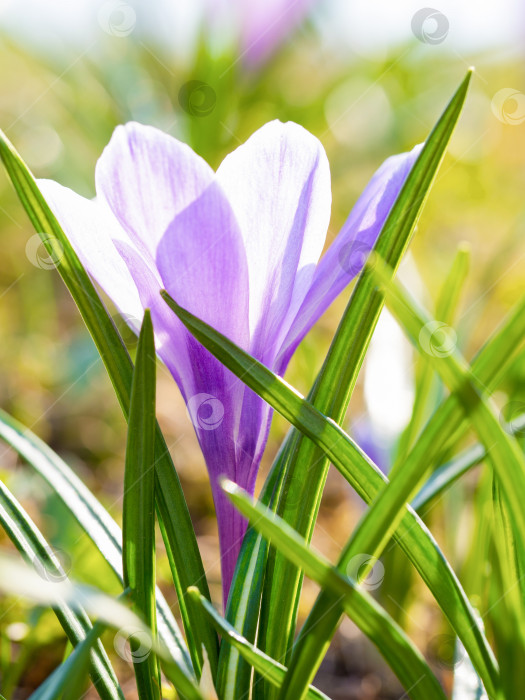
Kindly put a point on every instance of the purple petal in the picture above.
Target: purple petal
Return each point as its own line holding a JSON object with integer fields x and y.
{"x": 92, "y": 229}
{"x": 202, "y": 263}
{"x": 347, "y": 254}
{"x": 278, "y": 184}
{"x": 147, "y": 178}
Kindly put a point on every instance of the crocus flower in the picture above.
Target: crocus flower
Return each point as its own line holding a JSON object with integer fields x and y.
{"x": 240, "y": 249}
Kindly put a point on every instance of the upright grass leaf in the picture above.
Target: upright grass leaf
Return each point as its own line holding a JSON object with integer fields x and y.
{"x": 92, "y": 517}
{"x": 307, "y": 470}
{"x": 401, "y": 655}
{"x": 365, "y": 478}
{"x": 30, "y": 542}
{"x": 19, "y": 580}
{"x": 268, "y": 668}
{"x": 138, "y": 524}
{"x": 173, "y": 514}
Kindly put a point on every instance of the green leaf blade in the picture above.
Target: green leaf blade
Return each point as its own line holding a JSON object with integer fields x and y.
{"x": 138, "y": 529}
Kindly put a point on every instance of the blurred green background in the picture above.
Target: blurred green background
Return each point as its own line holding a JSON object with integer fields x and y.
{"x": 369, "y": 83}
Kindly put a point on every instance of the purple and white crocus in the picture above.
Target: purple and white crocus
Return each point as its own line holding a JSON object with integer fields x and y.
{"x": 241, "y": 249}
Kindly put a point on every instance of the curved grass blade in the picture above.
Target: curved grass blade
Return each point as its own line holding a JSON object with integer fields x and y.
{"x": 402, "y": 656}
{"x": 365, "y": 478}
{"x": 176, "y": 525}
{"x": 267, "y": 667}
{"x": 138, "y": 524}
{"x": 22, "y": 581}
{"x": 31, "y": 544}
{"x": 92, "y": 517}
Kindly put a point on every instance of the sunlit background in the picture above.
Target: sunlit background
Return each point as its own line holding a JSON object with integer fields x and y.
{"x": 369, "y": 79}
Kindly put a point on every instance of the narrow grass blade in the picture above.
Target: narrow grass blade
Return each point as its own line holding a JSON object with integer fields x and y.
{"x": 92, "y": 517}
{"x": 267, "y": 667}
{"x": 34, "y": 548}
{"x": 365, "y": 478}
{"x": 401, "y": 655}
{"x": 138, "y": 523}
{"x": 176, "y": 525}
